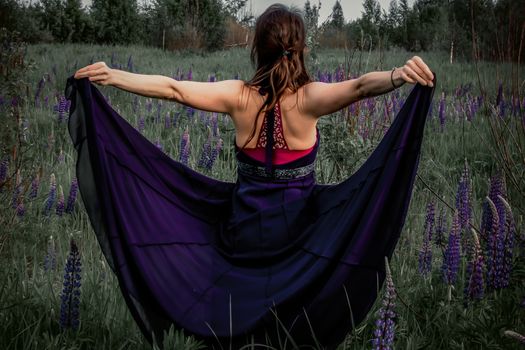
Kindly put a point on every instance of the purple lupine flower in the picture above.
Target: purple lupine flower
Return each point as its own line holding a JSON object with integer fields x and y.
{"x": 20, "y": 208}
{"x": 130, "y": 64}
{"x": 211, "y": 78}
{"x": 176, "y": 116}
{"x": 441, "y": 228}
{"x": 214, "y": 122}
{"x": 35, "y": 183}
{"x": 499, "y": 96}
{"x": 441, "y": 112}
{"x": 214, "y": 154}
{"x": 149, "y": 105}
{"x": 51, "y": 196}
{"x": 158, "y": 144}
{"x": 508, "y": 236}
{"x": 190, "y": 74}
{"x": 72, "y": 196}
{"x": 203, "y": 118}
{"x": 141, "y": 124}
{"x": 185, "y": 147}
{"x": 60, "y": 203}
{"x": 50, "y": 260}
{"x": 340, "y": 73}
{"x": 61, "y": 108}
{"x": 167, "y": 120}
{"x": 17, "y": 190}
{"x": 61, "y": 157}
{"x": 385, "y": 323}
{"x": 206, "y": 152}
{"x": 69, "y": 308}
{"x": 46, "y": 101}
{"x": 135, "y": 104}
{"x": 495, "y": 253}
{"x": 474, "y": 285}
{"x": 497, "y": 187}
{"x": 425, "y": 254}
{"x": 452, "y": 255}
{"x": 159, "y": 107}
{"x": 190, "y": 111}
{"x": 39, "y": 88}
{"x": 463, "y": 197}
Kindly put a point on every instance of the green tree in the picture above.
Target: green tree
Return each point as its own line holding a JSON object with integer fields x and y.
{"x": 115, "y": 21}
{"x": 337, "y": 17}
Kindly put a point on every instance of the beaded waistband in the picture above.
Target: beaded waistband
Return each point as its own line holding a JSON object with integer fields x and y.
{"x": 280, "y": 174}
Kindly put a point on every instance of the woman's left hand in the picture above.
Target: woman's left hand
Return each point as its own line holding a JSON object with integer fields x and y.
{"x": 98, "y": 72}
{"x": 416, "y": 71}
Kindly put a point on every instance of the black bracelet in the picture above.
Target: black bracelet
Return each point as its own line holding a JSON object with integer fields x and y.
{"x": 392, "y": 78}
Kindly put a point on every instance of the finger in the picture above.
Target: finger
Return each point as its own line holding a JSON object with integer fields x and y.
{"x": 415, "y": 68}
{"x": 424, "y": 67}
{"x": 407, "y": 78}
{"x": 91, "y": 73}
{"x": 414, "y": 75}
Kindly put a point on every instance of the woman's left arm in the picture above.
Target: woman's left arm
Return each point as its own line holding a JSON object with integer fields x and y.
{"x": 220, "y": 96}
{"x": 414, "y": 71}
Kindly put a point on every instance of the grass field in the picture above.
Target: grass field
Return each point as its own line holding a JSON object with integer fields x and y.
{"x": 430, "y": 314}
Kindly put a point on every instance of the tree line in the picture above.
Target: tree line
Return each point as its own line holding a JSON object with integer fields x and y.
{"x": 485, "y": 29}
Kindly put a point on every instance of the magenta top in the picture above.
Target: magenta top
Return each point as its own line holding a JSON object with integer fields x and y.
{"x": 282, "y": 154}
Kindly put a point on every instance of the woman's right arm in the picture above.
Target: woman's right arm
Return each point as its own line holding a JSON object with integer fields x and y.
{"x": 326, "y": 98}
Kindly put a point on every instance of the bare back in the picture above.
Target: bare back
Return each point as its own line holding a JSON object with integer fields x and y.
{"x": 299, "y": 130}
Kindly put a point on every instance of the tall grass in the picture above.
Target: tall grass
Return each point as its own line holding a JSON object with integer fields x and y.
{"x": 29, "y": 293}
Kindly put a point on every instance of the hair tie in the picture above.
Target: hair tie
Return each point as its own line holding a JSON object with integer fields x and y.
{"x": 287, "y": 54}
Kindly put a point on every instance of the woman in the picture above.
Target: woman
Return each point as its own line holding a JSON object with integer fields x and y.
{"x": 273, "y": 258}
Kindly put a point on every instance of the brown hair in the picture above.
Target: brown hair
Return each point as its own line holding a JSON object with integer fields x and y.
{"x": 278, "y": 53}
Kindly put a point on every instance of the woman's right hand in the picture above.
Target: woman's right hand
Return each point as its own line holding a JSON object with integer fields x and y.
{"x": 415, "y": 71}
{"x": 99, "y": 73}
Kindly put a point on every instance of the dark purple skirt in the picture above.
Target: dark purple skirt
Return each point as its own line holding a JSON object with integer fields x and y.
{"x": 260, "y": 259}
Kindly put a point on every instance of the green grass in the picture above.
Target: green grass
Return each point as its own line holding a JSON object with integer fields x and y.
{"x": 30, "y": 296}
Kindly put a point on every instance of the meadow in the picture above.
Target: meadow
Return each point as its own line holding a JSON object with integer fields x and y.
{"x": 460, "y": 166}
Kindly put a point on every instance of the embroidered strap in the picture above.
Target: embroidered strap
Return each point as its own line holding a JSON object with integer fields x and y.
{"x": 280, "y": 174}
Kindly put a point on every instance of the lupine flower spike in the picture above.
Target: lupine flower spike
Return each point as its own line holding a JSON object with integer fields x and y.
{"x": 384, "y": 332}
{"x": 51, "y": 256}
{"x": 474, "y": 285}
{"x": 451, "y": 259}
{"x": 72, "y": 196}
{"x": 425, "y": 254}
{"x": 51, "y": 196}
{"x": 60, "y": 203}
{"x": 185, "y": 147}
{"x": 508, "y": 237}
{"x": 69, "y": 309}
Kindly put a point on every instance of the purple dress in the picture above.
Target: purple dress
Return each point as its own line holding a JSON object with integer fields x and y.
{"x": 270, "y": 256}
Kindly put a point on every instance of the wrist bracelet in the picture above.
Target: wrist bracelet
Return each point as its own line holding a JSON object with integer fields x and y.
{"x": 392, "y": 78}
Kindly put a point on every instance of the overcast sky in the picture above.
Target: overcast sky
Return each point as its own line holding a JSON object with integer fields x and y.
{"x": 351, "y": 8}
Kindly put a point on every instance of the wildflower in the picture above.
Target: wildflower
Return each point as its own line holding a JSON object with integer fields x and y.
{"x": 72, "y": 195}
{"x": 158, "y": 144}
{"x": 206, "y": 152}
{"x": 159, "y": 107}
{"x": 60, "y": 203}
{"x": 425, "y": 254}
{"x": 214, "y": 153}
{"x": 185, "y": 147}
{"x": 51, "y": 196}
{"x": 474, "y": 275}
{"x": 35, "y": 183}
{"x": 508, "y": 237}
{"x": 141, "y": 124}
{"x": 20, "y": 208}
{"x": 497, "y": 187}
{"x": 384, "y": 331}
{"x": 69, "y": 309}
{"x": 130, "y": 64}
{"x": 451, "y": 259}
{"x": 17, "y": 190}
{"x": 494, "y": 250}
{"x": 50, "y": 258}
{"x": 190, "y": 74}
{"x": 167, "y": 120}
{"x": 441, "y": 112}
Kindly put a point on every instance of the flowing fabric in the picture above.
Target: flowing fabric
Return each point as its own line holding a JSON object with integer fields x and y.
{"x": 268, "y": 260}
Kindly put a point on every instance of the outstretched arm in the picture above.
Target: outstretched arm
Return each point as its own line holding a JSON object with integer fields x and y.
{"x": 326, "y": 98}
{"x": 218, "y": 96}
